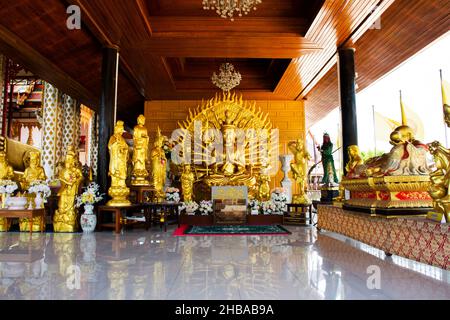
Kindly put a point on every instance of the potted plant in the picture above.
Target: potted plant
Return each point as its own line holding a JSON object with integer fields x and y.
{"x": 7, "y": 188}
{"x": 42, "y": 191}
{"x": 279, "y": 198}
{"x": 88, "y": 198}
{"x": 254, "y": 206}
{"x": 190, "y": 207}
{"x": 206, "y": 207}
{"x": 172, "y": 195}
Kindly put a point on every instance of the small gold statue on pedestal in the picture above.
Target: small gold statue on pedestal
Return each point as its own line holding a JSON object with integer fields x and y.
{"x": 264, "y": 186}
{"x": 158, "y": 160}
{"x": 299, "y": 170}
{"x": 6, "y": 173}
{"x": 34, "y": 172}
{"x": 140, "y": 154}
{"x": 187, "y": 183}
{"x": 118, "y": 152}
{"x": 65, "y": 218}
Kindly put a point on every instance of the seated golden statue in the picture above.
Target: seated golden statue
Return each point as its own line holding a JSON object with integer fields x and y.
{"x": 140, "y": 154}
{"x": 118, "y": 153}
{"x": 159, "y": 163}
{"x": 355, "y": 161}
{"x": 34, "y": 172}
{"x": 299, "y": 170}
{"x": 65, "y": 218}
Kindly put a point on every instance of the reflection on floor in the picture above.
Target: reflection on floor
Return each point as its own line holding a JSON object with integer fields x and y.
{"x": 155, "y": 265}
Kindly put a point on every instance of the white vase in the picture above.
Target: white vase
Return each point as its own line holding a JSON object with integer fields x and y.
{"x": 39, "y": 201}
{"x": 88, "y": 220}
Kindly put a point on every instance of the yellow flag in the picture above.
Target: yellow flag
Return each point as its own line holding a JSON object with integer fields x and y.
{"x": 384, "y": 126}
{"x": 445, "y": 92}
{"x": 412, "y": 120}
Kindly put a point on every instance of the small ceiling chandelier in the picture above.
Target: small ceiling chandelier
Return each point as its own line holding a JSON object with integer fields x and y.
{"x": 226, "y": 8}
{"x": 228, "y": 78}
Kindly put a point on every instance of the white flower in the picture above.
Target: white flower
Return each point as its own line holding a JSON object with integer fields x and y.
{"x": 8, "y": 186}
{"x": 190, "y": 206}
{"x": 90, "y": 196}
{"x": 40, "y": 187}
{"x": 206, "y": 207}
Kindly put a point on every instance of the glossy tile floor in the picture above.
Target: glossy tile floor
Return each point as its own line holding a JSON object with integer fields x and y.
{"x": 156, "y": 265}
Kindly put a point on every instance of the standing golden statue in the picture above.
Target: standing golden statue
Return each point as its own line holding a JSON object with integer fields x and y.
{"x": 65, "y": 218}
{"x": 140, "y": 154}
{"x": 34, "y": 172}
{"x": 187, "y": 183}
{"x": 158, "y": 160}
{"x": 264, "y": 186}
{"x": 299, "y": 170}
{"x": 119, "y": 154}
{"x": 6, "y": 173}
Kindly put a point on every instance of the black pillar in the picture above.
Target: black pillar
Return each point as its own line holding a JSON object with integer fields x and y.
{"x": 107, "y": 114}
{"x": 347, "y": 88}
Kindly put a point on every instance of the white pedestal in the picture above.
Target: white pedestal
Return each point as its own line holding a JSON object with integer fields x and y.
{"x": 286, "y": 183}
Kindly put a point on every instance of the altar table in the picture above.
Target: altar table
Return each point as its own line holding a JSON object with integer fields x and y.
{"x": 25, "y": 213}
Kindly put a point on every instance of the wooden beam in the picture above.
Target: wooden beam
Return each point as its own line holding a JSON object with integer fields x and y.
{"x": 17, "y": 49}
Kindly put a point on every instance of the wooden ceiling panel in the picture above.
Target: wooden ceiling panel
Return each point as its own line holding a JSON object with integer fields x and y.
{"x": 406, "y": 28}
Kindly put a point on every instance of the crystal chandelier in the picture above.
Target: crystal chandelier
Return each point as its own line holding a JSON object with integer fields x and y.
{"x": 226, "y": 8}
{"x": 228, "y": 78}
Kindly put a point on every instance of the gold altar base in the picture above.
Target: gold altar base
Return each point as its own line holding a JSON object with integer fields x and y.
{"x": 301, "y": 199}
{"x": 119, "y": 197}
{"x": 391, "y": 195}
{"x": 140, "y": 182}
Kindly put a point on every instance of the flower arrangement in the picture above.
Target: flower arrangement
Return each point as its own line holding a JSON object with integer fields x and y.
{"x": 206, "y": 207}
{"x": 40, "y": 186}
{"x": 90, "y": 196}
{"x": 173, "y": 194}
{"x": 279, "y": 198}
{"x": 268, "y": 207}
{"x": 8, "y": 187}
{"x": 254, "y": 205}
{"x": 168, "y": 145}
{"x": 190, "y": 206}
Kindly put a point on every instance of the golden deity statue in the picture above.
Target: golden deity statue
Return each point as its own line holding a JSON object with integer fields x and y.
{"x": 299, "y": 170}
{"x": 118, "y": 153}
{"x": 264, "y": 186}
{"x": 6, "y": 173}
{"x": 140, "y": 154}
{"x": 159, "y": 163}
{"x": 34, "y": 172}
{"x": 236, "y": 142}
{"x": 65, "y": 218}
{"x": 187, "y": 183}
{"x": 355, "y": 160}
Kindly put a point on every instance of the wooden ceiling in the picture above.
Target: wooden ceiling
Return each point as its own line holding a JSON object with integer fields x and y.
{"x": 170, "y": 48}
{"x": 406, "y": 28}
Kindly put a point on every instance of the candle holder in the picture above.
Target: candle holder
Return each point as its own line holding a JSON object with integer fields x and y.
{"x": 286, "y": 183}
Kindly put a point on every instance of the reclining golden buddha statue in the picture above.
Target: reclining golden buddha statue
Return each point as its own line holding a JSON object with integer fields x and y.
{"x": 396, "y": 181}
{"x": 17, "y": 154}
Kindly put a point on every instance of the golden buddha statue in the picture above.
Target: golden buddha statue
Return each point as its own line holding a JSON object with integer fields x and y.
{"x": 299, "y": 170}
{"x": 118, "y": 153}
{"x": 6, "y": 171}
{"x": 187, "y": 183}
{"x": 65, "y": 218}
{"x": 355, "y": 161}
{"x": 158, "y": 161}
{"x": 140, "y": 154}
{"x": 34, "y": 172}
{"x": 264, "y": 186}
